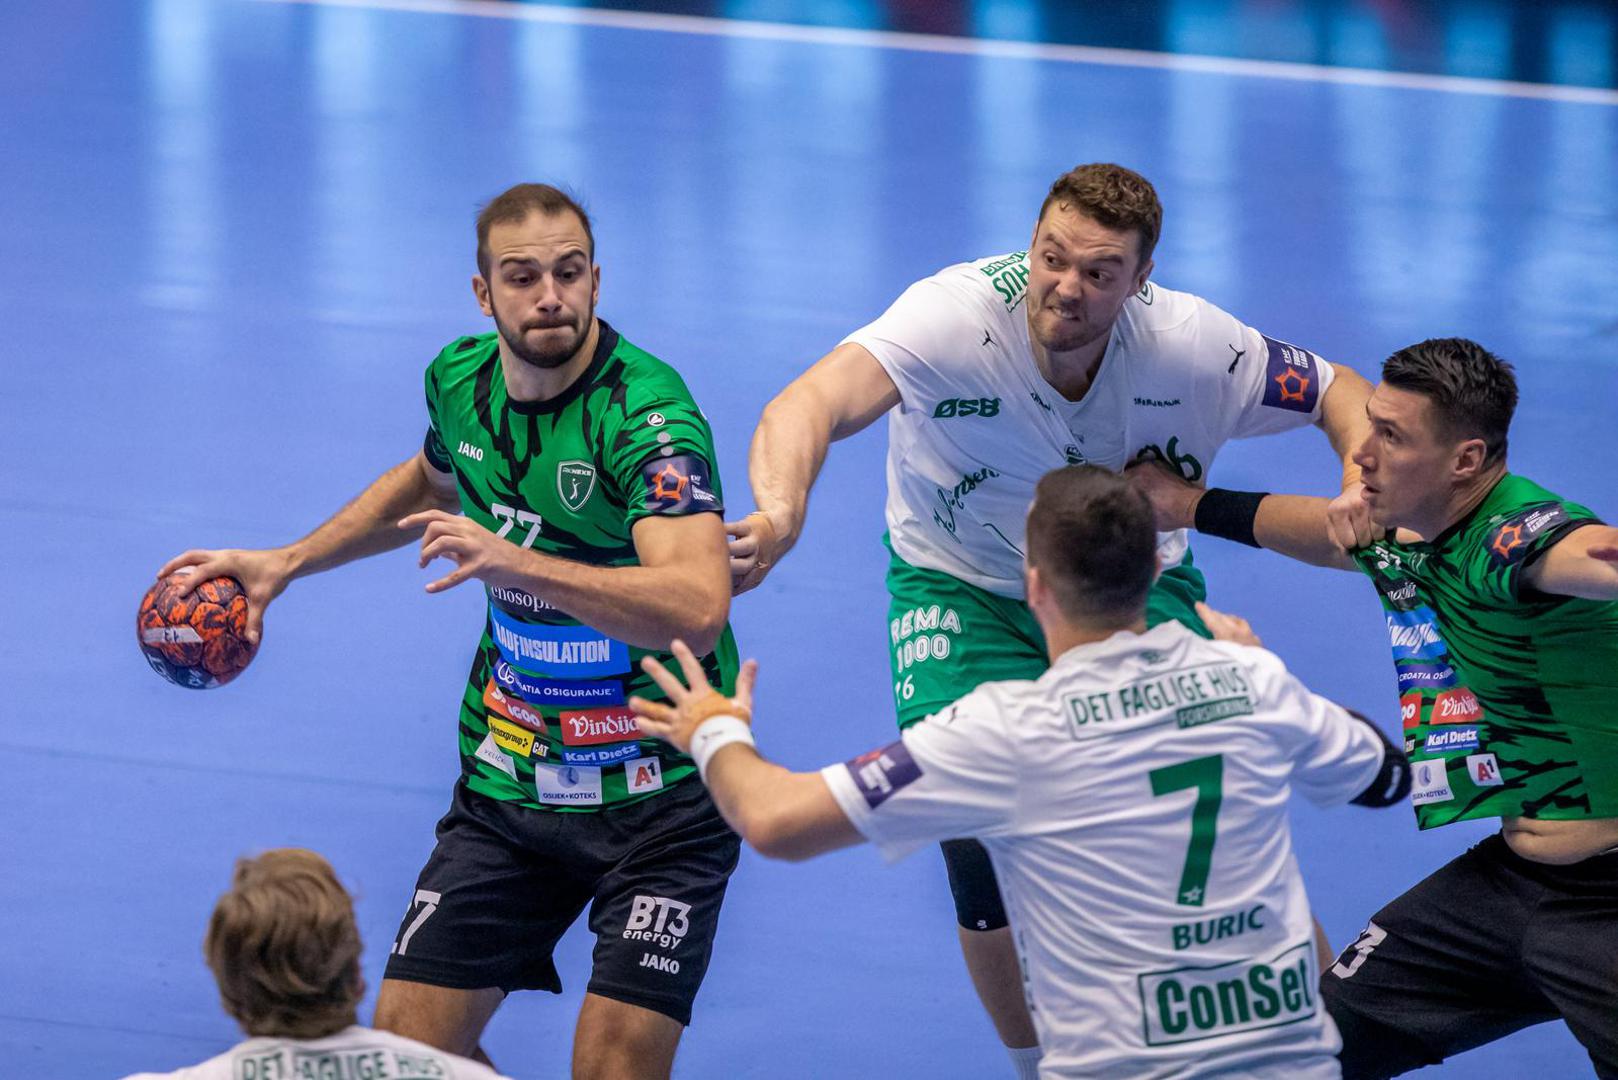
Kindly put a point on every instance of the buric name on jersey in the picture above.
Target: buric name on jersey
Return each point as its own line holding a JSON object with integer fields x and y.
{"x": 291, "y": 1063}
{"x": 1198, "y": 695}
{"x": 1194, "y": 1003}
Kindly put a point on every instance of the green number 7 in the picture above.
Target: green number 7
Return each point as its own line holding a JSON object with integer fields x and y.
{"x": 1207, "y": 776}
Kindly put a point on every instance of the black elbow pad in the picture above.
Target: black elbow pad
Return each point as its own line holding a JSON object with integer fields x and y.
{"x": 1392, "y": 781}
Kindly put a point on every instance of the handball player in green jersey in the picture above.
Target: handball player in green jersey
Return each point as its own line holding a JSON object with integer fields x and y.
{"x": 991, "y": 373}
{"x": 583, "y": 473}
{"x": 1501, "y": 603}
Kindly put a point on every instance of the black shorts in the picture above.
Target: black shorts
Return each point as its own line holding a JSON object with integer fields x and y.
{"x": 505, "y": 882}
{"x": 1487, "y": 945}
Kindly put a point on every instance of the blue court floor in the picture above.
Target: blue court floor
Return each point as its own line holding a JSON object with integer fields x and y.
{"x": 233, "y": 233}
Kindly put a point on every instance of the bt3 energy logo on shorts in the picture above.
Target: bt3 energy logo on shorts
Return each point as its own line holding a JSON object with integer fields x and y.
{"x": 661, "y": 923}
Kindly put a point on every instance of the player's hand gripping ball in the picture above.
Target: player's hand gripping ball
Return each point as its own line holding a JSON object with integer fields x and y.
{"x": 198, "y": 640}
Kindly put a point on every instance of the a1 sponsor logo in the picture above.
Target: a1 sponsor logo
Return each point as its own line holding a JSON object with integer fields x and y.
{"x": 644, "y": 774}
{"x": 513, "y": 709}
{"x": 1458, "y": 706}
{"x": 592, "y": 727}
{"x": 1484, "y": 770}
{"x": 1410, "y": 710}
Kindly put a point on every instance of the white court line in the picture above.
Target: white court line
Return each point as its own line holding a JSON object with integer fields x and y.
{"x": 1017, "y": 50}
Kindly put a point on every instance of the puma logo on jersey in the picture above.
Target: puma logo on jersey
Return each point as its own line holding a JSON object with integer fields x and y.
{"x": 466, "y": 449}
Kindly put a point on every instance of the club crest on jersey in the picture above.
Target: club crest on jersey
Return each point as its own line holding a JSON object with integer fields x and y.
{"x": 575, "y": 482}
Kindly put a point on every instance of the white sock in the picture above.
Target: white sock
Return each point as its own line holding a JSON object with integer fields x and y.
{"x": 1025, "y": 1060}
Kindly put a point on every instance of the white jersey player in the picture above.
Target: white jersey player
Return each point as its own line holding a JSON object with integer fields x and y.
{"x": 352, "y": 1052}
{"x": 992, "y": 373}
{"x": 285, "y": 950}
{"x": 1133, "y": 797}
{"x": 978, "y": 425}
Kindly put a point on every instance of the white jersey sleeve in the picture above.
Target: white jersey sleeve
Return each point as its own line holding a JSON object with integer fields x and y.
{"x": 1274, "y": 386}
{"x": 952, "y": 775}
{"x": 918, "y": 338}
{"x": 1335, "y": 757}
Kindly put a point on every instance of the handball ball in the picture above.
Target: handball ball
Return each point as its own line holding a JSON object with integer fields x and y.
{"x": 199, "y": 640}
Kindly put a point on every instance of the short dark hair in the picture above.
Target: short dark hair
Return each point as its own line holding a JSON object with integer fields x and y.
{"x": 1473, "y": 391}
{"x": 516, "y": 203}
{"x": 284, "y": 947}
{"x": 1093, "y": 540}
{"x": 1113, "y": 196}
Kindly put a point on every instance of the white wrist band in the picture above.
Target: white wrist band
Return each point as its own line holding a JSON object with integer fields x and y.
{"x": 713, "y": 735}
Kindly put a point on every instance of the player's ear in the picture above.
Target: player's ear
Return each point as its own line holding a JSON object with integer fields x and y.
{"x": 480, "y": 289}
{"x": 1470, "y": 457}
{"x": 1145, "y": 272}
{"x": 595, "y": 284}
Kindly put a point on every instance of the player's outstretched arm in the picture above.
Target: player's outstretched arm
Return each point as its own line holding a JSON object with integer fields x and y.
{"x": 1297, "y": 526}
{"x": 366, "y": 526}
{"x": 841, "y": 394}
{"x": 782, "y": 814}
{"x": 1584, "y": 563}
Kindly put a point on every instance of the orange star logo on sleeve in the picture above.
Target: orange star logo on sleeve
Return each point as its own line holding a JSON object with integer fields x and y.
{"x": 1293, "y": 385}
{"x": 674, "y": 477}
{"x": 1507, "y": 540}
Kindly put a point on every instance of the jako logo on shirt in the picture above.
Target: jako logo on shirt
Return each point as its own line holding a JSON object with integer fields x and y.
{"x": 1414, "y": 634}
{"x": 466, "y": 449}
{"x": 1457, "y": 707}
{"x": 952, "y": 407}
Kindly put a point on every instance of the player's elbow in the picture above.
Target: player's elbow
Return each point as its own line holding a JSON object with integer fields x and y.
{"x": 775, "y": 834}
{"x": 706, "y": 624}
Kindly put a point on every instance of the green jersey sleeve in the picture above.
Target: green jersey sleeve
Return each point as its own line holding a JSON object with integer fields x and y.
{"x": 661, "y": 456}
{"x": 432, "y": 445}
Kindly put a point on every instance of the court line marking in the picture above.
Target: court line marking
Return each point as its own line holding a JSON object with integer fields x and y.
{"x": 1010, "y": 50}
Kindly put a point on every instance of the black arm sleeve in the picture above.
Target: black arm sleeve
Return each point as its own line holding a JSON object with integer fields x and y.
{"x": 1392, "y": 782}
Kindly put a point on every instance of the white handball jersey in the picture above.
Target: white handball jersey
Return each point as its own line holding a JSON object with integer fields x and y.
{"x": 1134, "y": 800}
{"x": 351, "y": 1054}
{"x": 977, "y": 424}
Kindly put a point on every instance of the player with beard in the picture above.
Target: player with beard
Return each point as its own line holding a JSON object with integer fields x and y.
{"x": 992, "y": 373}
{"x": 590, "y": 511}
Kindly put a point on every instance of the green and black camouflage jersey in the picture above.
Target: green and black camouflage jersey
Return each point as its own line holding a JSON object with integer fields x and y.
{"x": 1509, "y": 696}
{"x": 544, "y": 720}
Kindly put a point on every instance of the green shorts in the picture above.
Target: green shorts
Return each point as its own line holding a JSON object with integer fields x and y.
{"x": 948, "y": 637}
